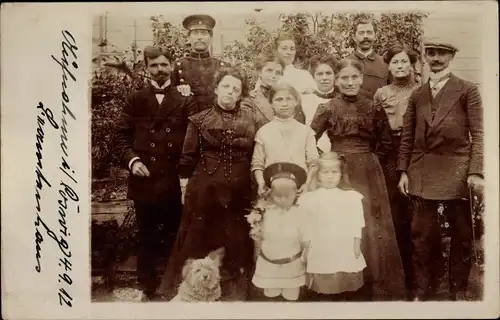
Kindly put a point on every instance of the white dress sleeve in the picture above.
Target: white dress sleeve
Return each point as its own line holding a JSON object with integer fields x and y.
{"x": 306, "y": 208}
{"x": 356, "y": 212}
{"x": 304, "y": 224}
{"x": 309, "y": 83}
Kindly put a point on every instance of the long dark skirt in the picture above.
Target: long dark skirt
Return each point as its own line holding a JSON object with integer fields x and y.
{"x": 213, "y": 217}
{"x": 401, "y": 211}
{"x": 384, "y": 275}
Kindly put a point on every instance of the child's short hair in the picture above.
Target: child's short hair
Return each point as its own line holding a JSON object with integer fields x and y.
{"x": 344, "y": 182}
{"x": 264, "y": 58}
{"x": 285, "y": 87}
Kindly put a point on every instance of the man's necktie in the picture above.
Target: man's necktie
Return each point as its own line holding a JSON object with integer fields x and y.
{"x": 435, "y": 84}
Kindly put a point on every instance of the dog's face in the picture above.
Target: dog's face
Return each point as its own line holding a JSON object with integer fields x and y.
{"x": 204, "y": 273}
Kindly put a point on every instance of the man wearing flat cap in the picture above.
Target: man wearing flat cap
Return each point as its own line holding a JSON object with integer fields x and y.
{"x": 441, "y": 161}
{"x": 195, "y": 73}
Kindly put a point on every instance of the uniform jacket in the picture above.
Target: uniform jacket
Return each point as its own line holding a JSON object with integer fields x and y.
{"x": 439, "y": 151}
{"x": 198, "y": 71}
{"x": 154, "y": 133}
{"x": 375, "y": 75}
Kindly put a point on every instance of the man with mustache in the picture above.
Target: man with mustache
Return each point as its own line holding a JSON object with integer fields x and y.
{"x": 440, "y": 159}
{"x": 194, "y": 74}
{"x": 149, "y": 139}
{"x": 376, "y": 72}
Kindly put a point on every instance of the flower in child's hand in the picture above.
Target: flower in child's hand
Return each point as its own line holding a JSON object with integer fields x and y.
{"x": 253, "y": 217}
{"x": 256, "y": 233}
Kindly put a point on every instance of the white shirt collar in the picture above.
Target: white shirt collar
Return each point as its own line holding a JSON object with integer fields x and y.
{"x": 439, "y": 75}
{"x": 155, "y": 84}
{"x": 365, "y": 54}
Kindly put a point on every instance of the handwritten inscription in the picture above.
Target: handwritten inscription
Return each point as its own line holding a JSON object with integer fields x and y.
{"x": 68, "y": 200}
{"x": 44, "y": 115}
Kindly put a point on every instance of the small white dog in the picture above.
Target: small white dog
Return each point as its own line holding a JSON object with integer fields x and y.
{"x": 201, "y": 278}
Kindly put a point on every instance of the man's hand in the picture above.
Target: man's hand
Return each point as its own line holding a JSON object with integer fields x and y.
{"x": 475, "y": 182}
{"x": 403, "y": 183}
{"x": 139, "y": 169}
{"x": 183, "y": 183}
{"x": 185, "y": 90}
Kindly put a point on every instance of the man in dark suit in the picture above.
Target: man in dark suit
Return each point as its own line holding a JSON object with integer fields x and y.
{"x": 195, "y": 73}
{"x": 149, "y": 138}
{"x": 375, "y": 69}
{"x": 440, "y": 157}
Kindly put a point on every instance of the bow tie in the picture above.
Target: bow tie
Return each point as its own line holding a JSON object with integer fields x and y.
{"x": 159, "y": 91}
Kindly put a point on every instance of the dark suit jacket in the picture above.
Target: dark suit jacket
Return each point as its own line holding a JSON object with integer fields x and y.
{"x": 439, "y": 152}
{"x": 154, "y": 133}
{"x": 375, "y": 75}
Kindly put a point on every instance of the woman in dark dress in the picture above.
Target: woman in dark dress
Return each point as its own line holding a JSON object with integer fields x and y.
{"x": 394, "y": 100}
{"x": 216, "y": 160}
{"x": 360, "y": 132}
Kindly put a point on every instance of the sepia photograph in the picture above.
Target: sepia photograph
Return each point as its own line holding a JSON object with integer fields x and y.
{"x": 250, "y": 160}
{"x": 273, "y": 156}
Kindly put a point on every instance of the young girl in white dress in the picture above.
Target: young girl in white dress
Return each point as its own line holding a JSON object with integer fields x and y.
{"x": 281, "y": 232}
{"x": 334, "y": 260}
{"x": 283, "y": 139}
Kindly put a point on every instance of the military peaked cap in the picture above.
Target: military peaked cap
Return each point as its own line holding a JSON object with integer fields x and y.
{"x": 198, "y": 22}
{"x": 285, "y": 170}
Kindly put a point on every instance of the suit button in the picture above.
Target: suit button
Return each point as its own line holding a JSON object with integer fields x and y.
{"x": 152, "y": 145}
{"x": 153, "y": 159}
{"x": 152, "y": 130}
{"x": 167, "y": 130}
{"x": 170, "y": 144}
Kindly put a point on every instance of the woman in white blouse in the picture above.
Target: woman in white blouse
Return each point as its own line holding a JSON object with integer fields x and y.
{"x": 321, "y": 69}
{"x": 300, "y": 79}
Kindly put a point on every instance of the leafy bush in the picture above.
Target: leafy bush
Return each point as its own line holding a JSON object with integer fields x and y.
{"x": 110, "y": 89}
{"x": 317, "y": 34}
{"x": 167, "y": 35}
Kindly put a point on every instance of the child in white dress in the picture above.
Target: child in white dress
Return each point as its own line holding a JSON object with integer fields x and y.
{"x": 281, "y": 234}
{"x": 283, "y": 139}
{"x": 334, "y": 260}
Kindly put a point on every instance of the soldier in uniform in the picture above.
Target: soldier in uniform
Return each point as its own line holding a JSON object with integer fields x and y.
{"x": 375, "y": 73}
{"x": 195, "y": 73}
{"x": 440, "y": 157}
{"x": 149, "y": 139}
